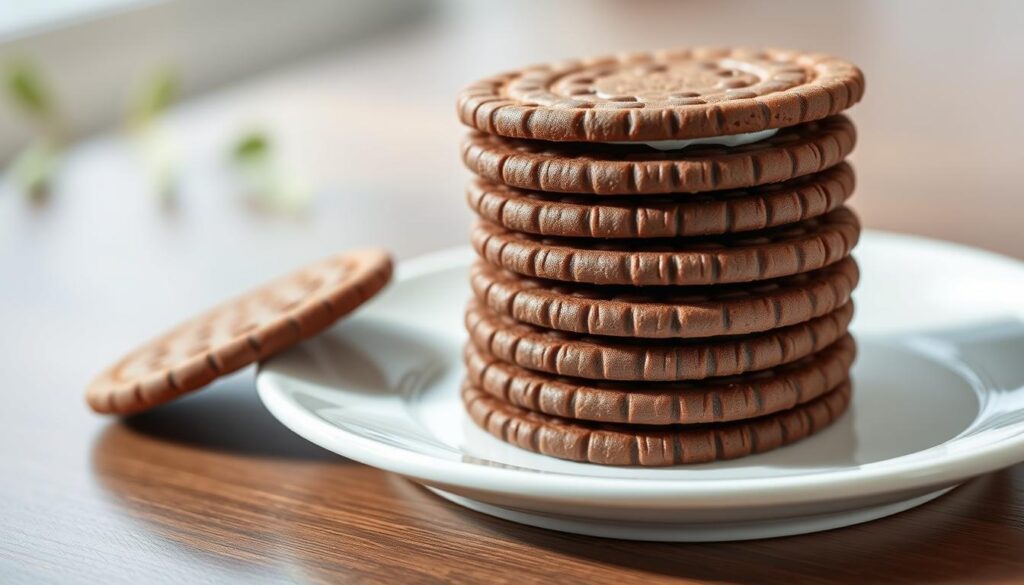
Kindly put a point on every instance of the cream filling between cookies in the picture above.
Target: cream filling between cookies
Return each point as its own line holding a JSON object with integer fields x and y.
{"x": 729, "y": 140}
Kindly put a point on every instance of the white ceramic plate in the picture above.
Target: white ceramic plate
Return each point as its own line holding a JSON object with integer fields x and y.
{"x": 938, "y": 399}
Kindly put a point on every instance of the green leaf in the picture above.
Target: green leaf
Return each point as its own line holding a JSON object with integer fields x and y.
{"x": 266, "y": 186}
{"x": 34, "y": 168}
{"x": 251, "y": 148}
{"x": 26, "y": 89}
{"x": 154, "y": 97}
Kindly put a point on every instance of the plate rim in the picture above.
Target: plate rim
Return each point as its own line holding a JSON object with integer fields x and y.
{"x": 876, "y": 478}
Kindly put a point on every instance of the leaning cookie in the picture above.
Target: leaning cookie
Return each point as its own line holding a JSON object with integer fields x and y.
{"x": 609, "y": 444}
{"x": 239, "y": 332}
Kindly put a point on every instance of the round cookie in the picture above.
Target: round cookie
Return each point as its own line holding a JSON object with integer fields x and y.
{"x": 703, "y": 214}
{"x": 709, "y": 401}
{"x": 604, "y": 358}
{"x": 750, "y": 256}
{"x": 603, "y": 169}
{"x": 239, "y": 332}
{"x": 665, "y": 312}
{"x": 665, "y": 95}
{"x": 609, "y": 444}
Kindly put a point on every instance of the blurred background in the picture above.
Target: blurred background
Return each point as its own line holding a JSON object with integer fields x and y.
{"x": 159, "y": 155}
{"x": 162, "y": 154}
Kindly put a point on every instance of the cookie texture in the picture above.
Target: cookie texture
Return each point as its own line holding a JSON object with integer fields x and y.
{"x": 699, "y": 214}
{"x": 630, "y": 359}
{"x": 239, "y": 332}
{"x": 639, "y": 170}
{"x": 609, "y": 444}
{"x": 708, "y": 401}
{"x": 773, "y": 253}
{"x": 665, "y": 312}
{"x": 664, "y": 272}
{"x": 663, "y": 95}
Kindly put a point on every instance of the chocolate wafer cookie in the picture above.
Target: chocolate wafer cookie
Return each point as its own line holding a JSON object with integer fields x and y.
{"x": 662, "y": 403}
{"x": 664, "y": 95}
{"x": 700, "y": 214}
{"x": 664, "y": 312}
{"x": 637, "y": 170}
{"x": 609, "y": 444}
{"x": 665, "y": 272}
{"x": 239, "y": 332}
{"x": 615, "y": 358}
{"x": 773, "y": 253}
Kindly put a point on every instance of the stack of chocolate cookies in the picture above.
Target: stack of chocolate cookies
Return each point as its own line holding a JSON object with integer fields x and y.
{"x": 664, "y": 272}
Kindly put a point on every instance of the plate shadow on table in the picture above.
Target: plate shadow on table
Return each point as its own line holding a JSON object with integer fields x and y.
{"x": 227, "y": 417}
{"x": 960, "y": 537}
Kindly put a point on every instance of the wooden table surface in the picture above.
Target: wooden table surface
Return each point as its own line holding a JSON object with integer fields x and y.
{"x": 212, "y": 489}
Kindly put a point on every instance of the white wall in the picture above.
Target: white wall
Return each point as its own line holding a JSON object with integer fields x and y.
{"x": 93, "y": 65}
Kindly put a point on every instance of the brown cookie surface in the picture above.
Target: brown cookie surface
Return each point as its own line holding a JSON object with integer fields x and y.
{"x": 665, "y": 312}
{"x": 639, "y": 170}
{"x": 712, "y": 400}
{"x": 239, "y": 332}
{"x": 609, "y": 444}
{"x": 617, "y": 358}
{"x": 750, "y": 256}
{"x": 701, "y": 214}
{"x": 676, "y": 94}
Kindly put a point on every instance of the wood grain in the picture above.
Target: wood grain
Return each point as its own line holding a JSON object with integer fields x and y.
{"x": 212, "y": 490}
{"x": 218, "y": 494}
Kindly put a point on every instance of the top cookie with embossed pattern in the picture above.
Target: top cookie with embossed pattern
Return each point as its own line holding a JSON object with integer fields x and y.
{"x": 672, "y": 95}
